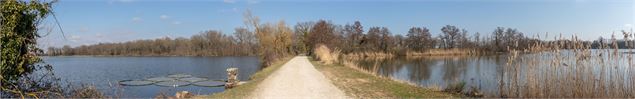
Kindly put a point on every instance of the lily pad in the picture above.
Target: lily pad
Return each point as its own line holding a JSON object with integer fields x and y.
{"x": 192, "y": 79}
{"x": 175, "y": 83}
{"x": 209, "y": 83}
{"x": 135, "y": 82}
{"x": 160, "y": 79}
{"x": 179, "y": 76}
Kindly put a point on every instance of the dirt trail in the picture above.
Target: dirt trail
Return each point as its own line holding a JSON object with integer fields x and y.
{"x": 297, "y": 78}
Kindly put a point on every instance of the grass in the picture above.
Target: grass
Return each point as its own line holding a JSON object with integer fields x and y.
{"x": 359, "y": 84}
{"x": 243, "y": 91}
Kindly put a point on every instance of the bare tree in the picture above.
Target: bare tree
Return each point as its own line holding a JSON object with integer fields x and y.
{"x": 321, "y": 33}
{"x": 353, "y": 33}
{"x": 372, "y": 39}
{"x": 385, "y": 39}
{"x": 451, "y": 34}
{"x": 301, "y": 33}
{"x": 419, "y": 38}
{"x": 498, "y": 36}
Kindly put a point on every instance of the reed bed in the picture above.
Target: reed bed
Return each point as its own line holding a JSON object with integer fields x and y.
{"x": 363, "y": 55}
{"x": 448, "y": 52}
{"x": 563, "y": 68}
{"x": 577, "y": 72}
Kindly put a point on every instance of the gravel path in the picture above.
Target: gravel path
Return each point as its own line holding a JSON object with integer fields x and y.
{"x": 297, "y": 78}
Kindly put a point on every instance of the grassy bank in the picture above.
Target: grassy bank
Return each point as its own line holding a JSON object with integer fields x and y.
{"x": 363, "y": 85}
{"x": 243, "y": 91}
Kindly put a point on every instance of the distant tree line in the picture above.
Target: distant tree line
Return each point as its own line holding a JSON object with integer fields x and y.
{"x": 270, "y": 41}
{"x": 207, "y": 43}
{"x": 351, "y": 38}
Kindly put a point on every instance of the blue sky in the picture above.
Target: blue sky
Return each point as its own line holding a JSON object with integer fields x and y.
{"x": 94, "y": 21}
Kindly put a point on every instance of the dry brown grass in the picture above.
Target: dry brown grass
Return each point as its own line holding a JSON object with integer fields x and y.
{"x": 325, "y": 55}
{"x": 447, "y": 52}
{"x": 364, "y": 55}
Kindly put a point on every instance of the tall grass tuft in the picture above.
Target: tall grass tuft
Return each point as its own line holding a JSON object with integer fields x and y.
{"x": 325, "y": 55}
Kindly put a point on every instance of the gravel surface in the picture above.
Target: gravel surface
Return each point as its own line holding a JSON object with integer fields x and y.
{"x": 297, "y": 78}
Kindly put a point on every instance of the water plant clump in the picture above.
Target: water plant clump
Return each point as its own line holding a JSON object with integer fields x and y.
{"x": 174, "y": 80}
{"x": 175, "y": 83}
{"x": 160, "y": 79}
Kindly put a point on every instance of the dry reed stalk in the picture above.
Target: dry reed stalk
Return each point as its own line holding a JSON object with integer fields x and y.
{"x": 325, "y": 55}
{"x": 578, "y": 72}
{"x": 446, "y": 52}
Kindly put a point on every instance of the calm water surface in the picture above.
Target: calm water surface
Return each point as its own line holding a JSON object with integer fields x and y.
{"x": 105, "y": 72}
{"x": 440, "y": 71}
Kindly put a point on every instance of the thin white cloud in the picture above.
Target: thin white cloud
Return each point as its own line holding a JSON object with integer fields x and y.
{"x": 136, "y": 19}
{"x": 229, "y": 1}
{"x": 176, "y": 22}
{"x": 75, "y": 38}
{"x": 628, "y": 25}
{"x": 164, "y": 17}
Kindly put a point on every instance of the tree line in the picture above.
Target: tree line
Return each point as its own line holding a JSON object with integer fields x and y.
{"x": 207, "y": 43}
{"x": 303, "y": 37}
{"x": 272, "y": 40}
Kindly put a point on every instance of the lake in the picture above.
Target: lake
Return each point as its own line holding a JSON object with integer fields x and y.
{"x": 106, "y": 71}
{"x": 537, "y": 76}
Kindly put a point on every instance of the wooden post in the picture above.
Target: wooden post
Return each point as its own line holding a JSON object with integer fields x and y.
{"x": 232, "y": 78}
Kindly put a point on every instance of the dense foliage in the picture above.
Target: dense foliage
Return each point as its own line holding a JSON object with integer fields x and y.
{"x": 22, "y": 75}
{"x": 18, "y": 35}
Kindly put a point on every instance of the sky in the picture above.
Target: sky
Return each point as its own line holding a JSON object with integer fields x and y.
{"x": 87, "y": 22}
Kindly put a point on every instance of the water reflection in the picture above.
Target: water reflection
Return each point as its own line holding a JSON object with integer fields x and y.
{"x": 479, "y": 72}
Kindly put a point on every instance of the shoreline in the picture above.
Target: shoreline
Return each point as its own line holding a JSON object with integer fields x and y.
{"x": 358, "y": 84}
